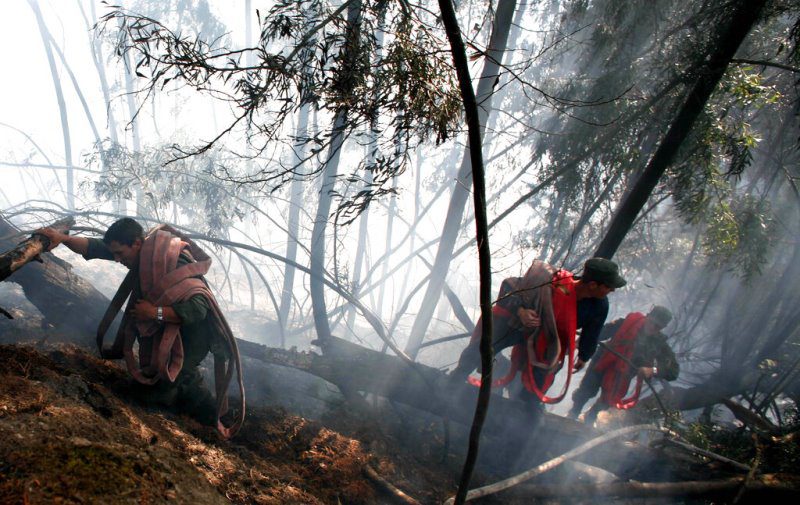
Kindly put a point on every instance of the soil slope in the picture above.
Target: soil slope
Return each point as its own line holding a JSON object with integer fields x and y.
{"x": 69, "y": 433}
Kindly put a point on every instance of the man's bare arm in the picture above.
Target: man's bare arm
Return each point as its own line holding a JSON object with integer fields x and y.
{"x": 79, "y": 245}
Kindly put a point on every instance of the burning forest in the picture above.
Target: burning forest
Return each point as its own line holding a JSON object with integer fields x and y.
{"x": 374, "y": 251}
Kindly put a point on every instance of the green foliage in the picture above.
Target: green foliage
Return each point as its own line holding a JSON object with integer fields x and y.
{"x": 196, "y": 187}
{"x": 740, "y": 235}
{"x": 312, "y": 54}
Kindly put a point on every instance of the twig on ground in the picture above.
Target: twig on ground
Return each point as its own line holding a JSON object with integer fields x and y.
{"x": 387, "y": 486}
{"x": 707, "y": 454}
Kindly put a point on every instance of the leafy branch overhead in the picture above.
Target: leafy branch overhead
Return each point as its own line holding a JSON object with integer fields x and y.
{"x": 170, "y": 188}
{"x": 397, "y": 95}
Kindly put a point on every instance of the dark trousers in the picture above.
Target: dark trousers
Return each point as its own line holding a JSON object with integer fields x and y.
{"x": 504, "y": 336}
{"x": 588, "y": 388}
{"x": 187, "y": 395}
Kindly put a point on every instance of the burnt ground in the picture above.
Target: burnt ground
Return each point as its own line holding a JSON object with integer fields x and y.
{"x": 71, "y": 433}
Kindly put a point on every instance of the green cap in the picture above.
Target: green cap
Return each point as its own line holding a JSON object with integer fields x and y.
{"x": 603, "y": 271}
{"x": 660, "y": 315}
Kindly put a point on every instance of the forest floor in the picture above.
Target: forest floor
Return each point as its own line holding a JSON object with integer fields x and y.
{"x": 70, "y": 433}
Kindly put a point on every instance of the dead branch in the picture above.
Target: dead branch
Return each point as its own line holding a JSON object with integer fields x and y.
{"x": 775, "y": 485}
{"x": 750, "y": 418}
{"x": 549, "y": 465}
{"x": 388, "y": 487}
{"x": 707, "y": 454}
{"x": 30, "y": 249}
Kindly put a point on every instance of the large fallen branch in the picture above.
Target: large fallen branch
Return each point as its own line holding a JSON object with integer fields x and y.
{"x": 549, "y": 465}
{"x": 29, "y": 249}
{"x": 361, "y": 369}
{"x": 778, "y": 487}
{"x": 68, "y": 302}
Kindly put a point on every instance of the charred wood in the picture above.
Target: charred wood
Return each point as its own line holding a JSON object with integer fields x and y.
{"x": 67, "y": 301}
{"x": 29, "y": 249}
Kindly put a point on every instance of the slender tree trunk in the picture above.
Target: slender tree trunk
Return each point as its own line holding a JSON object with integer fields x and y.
{"x": 474, "y": 125}
{"x": 361, "y": 247}
{"x": 387, "y": 246}
{"x": 98, "y": 60}
{"x": 134, "y": 127}
{"x": 461, "y": 189}
{"x": 742, "y": 18}
{"x": 317, "y": 265}
{"x": 62, "y": 105}
{"x": 293, "y": 221}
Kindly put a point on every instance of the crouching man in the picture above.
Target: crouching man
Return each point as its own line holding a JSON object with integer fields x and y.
{"x": 640, "y": 340}
{"x": 172, "y": 314}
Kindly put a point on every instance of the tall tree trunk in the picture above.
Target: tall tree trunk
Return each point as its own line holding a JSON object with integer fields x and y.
{"x": 358, "y": 262}
{"x": 461, "y": 189}
{"x": 293, "y": 221}
{"x": 62, "y": 105}
{"x": 387, "y": 246}
{"x": 474, "y": 126}
{"x": 372, "y": 151}
{"x": 317, "y": 264}
{"x": 96, "y": 46}
{"x": 134, "y": 127}
{"x": 742, "y": 17}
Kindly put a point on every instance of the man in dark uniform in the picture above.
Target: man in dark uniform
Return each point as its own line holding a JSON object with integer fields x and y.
{"x": 516, "y": 320}
{"x": 640, "y": 340}
{"x": 123, "y": 242}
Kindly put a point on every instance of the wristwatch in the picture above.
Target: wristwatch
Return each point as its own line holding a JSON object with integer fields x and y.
{"x": 160, "y": 313}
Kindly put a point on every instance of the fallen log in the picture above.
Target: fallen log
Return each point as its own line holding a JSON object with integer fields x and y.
{"x": 427, "y": 389}
{"x": 29, "y": 249}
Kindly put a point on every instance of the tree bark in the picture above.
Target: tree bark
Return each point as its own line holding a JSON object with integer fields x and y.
{"x": 740, "y": 22}
{"x": 475, "y": 132}
{"x": 318, "y": 306}
{"x": 29, "y": 249}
